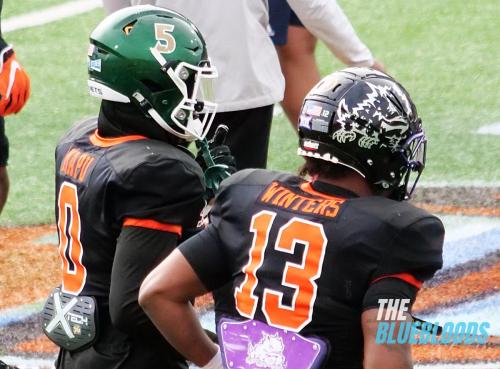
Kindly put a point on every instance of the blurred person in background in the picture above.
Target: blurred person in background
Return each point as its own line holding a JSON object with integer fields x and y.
{"x": 250, "y": 79}
{"x": 111, "y": 6}
{"x": 296, "y": 40}
{"x": 14, "y": 92}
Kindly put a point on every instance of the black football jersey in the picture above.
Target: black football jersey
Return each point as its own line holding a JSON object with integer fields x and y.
{"x": 301, "y": 256}
{"x": 103, "y": 184}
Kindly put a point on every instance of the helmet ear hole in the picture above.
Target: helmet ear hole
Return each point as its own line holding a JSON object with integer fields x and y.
{"x": 335, "y": 88}
{"x": 102, "y": 51}
{"x": 128, "y": 28}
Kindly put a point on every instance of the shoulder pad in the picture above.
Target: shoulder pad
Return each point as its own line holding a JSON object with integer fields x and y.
{"x": 254, "y": 177}
{"x": 160, "y": 156}
{"x": 417, "y": 244}
{"x": 154, "y": 180}
{"x": 79, "y": 129}
{"x": 396, "y": 214}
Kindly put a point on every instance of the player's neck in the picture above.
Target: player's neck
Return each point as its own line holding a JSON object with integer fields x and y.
{"x": 351, "y": 182}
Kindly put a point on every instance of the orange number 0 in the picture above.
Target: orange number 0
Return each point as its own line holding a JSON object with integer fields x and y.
{"x": 69, "y": 227}
{"x": 300, "y": 277}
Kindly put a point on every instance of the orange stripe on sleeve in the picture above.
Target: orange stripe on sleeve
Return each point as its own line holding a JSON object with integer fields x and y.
{"x": 153, "y": 224}
{"x": 407, "y": 277}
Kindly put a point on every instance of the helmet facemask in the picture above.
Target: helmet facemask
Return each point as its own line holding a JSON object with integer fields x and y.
{"x": 194, "y": 114}
{"x": 413, "y": 152}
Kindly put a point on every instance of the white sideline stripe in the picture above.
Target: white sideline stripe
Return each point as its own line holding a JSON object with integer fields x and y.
{"x": 476, "y": 311}
{"x": 459, "y": 227}
{"x": 48, "y": 15}
{"x": 40, "y": 363}
{"x": 480, "y": 365}
{"x": 490, "y": 129}
{"x": 24, "y": 363}
{"x": 459, "y": 183}
{"x": 19, "y": 313}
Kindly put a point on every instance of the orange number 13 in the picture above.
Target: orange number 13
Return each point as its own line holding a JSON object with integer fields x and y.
{"x": 300, "y": 277}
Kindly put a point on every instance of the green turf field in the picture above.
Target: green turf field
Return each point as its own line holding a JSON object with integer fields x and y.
{"x": 57, "y": 66}
{"x": 445, "y": 52}
{"x": 18, "y": 7}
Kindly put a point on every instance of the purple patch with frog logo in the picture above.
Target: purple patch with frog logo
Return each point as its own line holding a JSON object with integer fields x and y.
{"x": 251, "y": 344}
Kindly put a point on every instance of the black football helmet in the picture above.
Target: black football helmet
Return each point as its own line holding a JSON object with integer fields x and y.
{"x": 363, "y": 119}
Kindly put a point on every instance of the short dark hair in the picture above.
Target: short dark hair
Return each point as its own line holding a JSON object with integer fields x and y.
{"x": 313, "y": 167}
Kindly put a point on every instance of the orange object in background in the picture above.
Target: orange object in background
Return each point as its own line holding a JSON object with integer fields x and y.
{"x": 14, "y": 83}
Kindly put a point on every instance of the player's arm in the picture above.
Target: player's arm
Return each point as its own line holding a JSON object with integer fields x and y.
{"x": 413, "y": 258}
{"x": 166, "y": 293}
{"x": 383, "y": 355}
{"x": 326, "y": 20}
{"x": 138, "y": 251}
{"x": 165, "y": 296}
{"x": 155, "y": 205}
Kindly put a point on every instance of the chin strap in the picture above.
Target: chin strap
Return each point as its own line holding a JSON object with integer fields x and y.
{"x": 399, "y": 194}
{"x": 149, "y": 110}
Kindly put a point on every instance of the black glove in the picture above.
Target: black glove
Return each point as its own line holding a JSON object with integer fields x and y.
{"x": 215, "y": 159}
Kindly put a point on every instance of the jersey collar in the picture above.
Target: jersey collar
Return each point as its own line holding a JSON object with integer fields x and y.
{"x": 331, "y": 190}
{"x": 98, "y": 140}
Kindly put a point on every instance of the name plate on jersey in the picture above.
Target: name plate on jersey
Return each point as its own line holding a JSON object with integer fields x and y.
{"x": 251, "y": 344}
{"x": 70, "y": 321}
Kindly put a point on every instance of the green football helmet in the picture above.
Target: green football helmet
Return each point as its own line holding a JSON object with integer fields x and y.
{"x": 157, "y": 59}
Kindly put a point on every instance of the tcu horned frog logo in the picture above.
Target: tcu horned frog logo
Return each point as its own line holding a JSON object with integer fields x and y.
{"x": 374, "y": 103}
{"x": 267, "y": 353}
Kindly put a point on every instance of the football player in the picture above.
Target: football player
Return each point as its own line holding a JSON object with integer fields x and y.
{"x": 14, "y": 92}
{"x": 127, "y": 189}
{"x": 311, "y": 257}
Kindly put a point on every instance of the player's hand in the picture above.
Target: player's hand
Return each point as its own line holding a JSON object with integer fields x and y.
{"x": 219, "y": 151}
{"x": 216, "y": 160}
{"x": 215, "y": 362}
{"x": 14, "y": 83}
